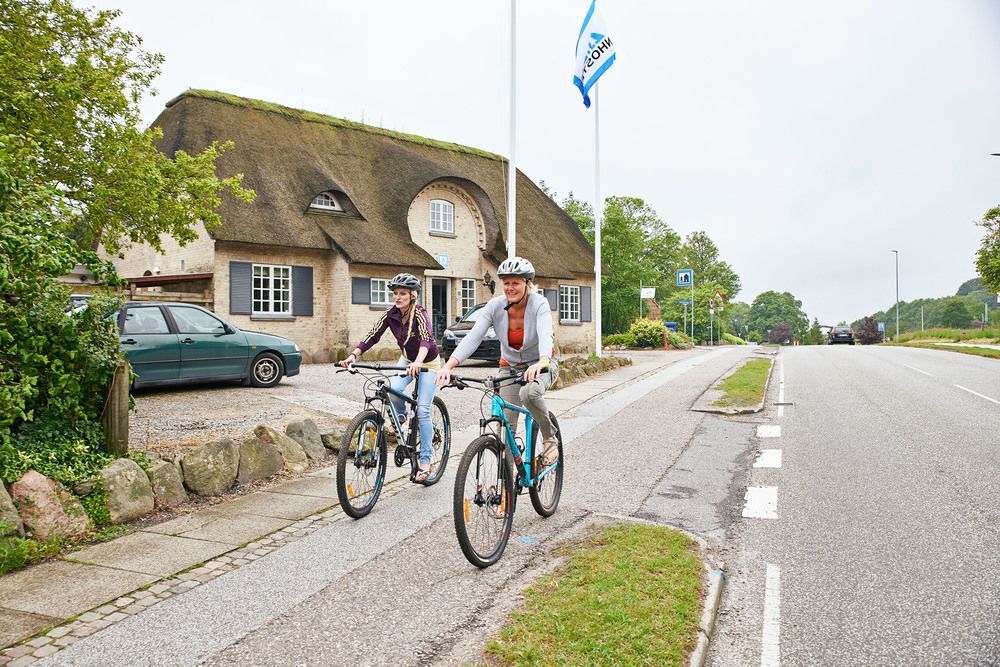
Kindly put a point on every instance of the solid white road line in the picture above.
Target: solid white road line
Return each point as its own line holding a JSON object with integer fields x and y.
{"x": 781, "y": 388}
{"x": 918, "y": 370}
{"x": 770, "y": 639}
{"x": 768, "y": 458}
{"x": 761, "y": 502}
{"x": 768, "y": 431}
{"x": 977, "y": 394}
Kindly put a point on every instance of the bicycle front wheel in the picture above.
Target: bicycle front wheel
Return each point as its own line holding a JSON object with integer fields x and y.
{"x": 484, "y": 503}
{"x": 361, "y": 465}
{"x": 547, "y": 489}
{"x": 441, "y": 444}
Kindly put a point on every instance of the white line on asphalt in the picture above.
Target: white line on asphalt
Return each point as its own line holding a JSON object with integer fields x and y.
{"x": 918, "y": 370}
{"x": 768, "y": 458}
{"x": 770, "y": 639}
{"x": 761, "y": 502}
{"x": 781, "y": 388}
{"x": 977, "y": 394}
{"x": 768, "y": 431}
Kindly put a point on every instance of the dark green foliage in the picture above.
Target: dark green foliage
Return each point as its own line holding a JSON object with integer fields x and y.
{"x": 867, "y": 333}
{"x": 971, "y": 293}
{"x": 625, "y": 339}
{"x": 815, "y": 335}
{"x": 956, "y": 315}
{"x": 770, "y": 308}
{"x": 988, "y": 255}
{"x": 96, "y": 505}
{"x": 16, "y": 552}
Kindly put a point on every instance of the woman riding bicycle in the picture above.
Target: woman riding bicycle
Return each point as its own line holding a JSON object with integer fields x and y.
{"x": 523, "y": 323}
{"x": 409, "y": 323}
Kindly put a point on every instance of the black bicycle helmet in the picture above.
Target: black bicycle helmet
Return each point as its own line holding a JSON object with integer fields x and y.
{"x": 405, "y": 281}
{"x": 516, "y": 266}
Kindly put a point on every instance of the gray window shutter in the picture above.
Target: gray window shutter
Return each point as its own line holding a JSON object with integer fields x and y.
{"x": 553, "y": 296}
{"x": 361, "y": 290}
{"x": 585, "y": 304}
{"x": 240, "y": 288}
{"x": 302, "y": 290}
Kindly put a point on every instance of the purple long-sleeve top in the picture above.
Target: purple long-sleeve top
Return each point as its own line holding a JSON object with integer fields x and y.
{"x": 411, "y": 337}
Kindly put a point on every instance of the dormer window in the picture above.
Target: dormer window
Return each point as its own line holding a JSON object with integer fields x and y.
{"x": 442, "y": 217}
{"x": 326, "y": 201}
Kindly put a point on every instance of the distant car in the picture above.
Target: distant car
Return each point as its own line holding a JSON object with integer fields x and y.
{"x": 841, "y": 335}
{"x": 180, "y": 343}
{"x": 488, "y": 350}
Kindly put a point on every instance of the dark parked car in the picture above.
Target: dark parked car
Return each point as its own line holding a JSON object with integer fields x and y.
{"x": 841, "y": 335}
{"x": 179, "y": 343}
{"x": 488, "y": 350}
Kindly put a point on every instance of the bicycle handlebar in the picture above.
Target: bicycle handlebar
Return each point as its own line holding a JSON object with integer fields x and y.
{"x": 493, "y": 381}
{"x": 352, "y": 368}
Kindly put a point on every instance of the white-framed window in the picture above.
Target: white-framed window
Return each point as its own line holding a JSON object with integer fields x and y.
{"x": 272, "y": 289}
{"x": 381, "y": 296}
{"x": 466, "y": 294}
{"x": 325, "y": 201}
{"x": 569, "y": 303}
{"x": 442, "y": 216}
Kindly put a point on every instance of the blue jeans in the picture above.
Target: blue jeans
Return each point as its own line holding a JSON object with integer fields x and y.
{"x": 425, "y": 394}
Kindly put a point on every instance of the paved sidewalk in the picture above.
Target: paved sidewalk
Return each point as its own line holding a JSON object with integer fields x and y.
{"x": 85, "y": 591}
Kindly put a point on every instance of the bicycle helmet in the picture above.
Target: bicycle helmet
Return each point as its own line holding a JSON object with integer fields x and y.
{"x": 516, "y": 266}
{"x": 405, "y": 281}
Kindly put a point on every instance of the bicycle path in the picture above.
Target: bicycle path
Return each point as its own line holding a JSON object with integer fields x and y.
{"x": 327, "y": 563}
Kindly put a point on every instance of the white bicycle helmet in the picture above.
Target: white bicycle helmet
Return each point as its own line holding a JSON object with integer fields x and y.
{"x": 516, "y": 266}
{"x": 406, "y": 281}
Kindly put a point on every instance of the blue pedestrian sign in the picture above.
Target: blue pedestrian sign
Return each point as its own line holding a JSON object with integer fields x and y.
{"x": 684, "y": 302}
{"x": 881, "y": 327}
{"x": 685, "y": 277}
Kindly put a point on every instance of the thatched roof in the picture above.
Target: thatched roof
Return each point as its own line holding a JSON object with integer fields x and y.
{"x": 288, "y": 156}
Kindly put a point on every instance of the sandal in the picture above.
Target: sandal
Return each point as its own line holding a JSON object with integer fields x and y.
{"x": 551, "y": 453}
{"x": 422, "y": 474}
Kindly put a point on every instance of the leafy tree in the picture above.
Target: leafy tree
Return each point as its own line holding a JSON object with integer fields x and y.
{"x": 70, "y": 82}
{"x": 770, "y": 308}
{"x": 737, "y": 314}
{"x": 867, "y": 333}
{"x": 815, "y": 335}
{"x": 956, "y": 315}
{"x": 988, "y": 255}
{"x": 701, "y": 254}
{"x": 781, "y": 333}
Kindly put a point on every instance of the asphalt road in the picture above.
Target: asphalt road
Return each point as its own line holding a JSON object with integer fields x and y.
{"x": 886, "y": 544}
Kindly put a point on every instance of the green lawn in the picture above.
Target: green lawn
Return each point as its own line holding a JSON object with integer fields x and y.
{"x": 977, "y": 351}
{"x": 746, "y": 386}
{"x": 630, "y": 596}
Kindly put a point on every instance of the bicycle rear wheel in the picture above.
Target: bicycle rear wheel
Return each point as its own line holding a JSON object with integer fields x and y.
{"x": 545, "y": 492}
{"x": 441, "y": 445}
{"x": 485, "y": 500}
{"x": 361, "y": 464}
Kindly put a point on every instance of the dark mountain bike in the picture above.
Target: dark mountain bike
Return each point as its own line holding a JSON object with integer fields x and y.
{"x": 495, "y": 469}
{"x": 361, "y": 461}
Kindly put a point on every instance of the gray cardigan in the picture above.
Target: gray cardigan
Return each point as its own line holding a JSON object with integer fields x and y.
{"x": 537, "y": 331}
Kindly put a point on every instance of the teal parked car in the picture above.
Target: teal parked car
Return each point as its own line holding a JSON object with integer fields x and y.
{"x": 180, "y": 343}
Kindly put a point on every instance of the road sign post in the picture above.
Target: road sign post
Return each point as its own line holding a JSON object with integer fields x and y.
{"x": 685, "y": 278}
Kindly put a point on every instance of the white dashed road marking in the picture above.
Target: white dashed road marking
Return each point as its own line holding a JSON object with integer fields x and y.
{"x": 768, "y": 458}
{"x": 770, "y": 639}
{"x": 761, "y": 502}
{"x": 918, "y": 370}
{"x": 976, "y": 393}
{"x": 768, "y": 431}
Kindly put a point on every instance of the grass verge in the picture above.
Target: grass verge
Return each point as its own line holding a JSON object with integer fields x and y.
{"x": 977, "y": 351}
{"x": 630, "y": 596}
{"x": 746, "y": 386}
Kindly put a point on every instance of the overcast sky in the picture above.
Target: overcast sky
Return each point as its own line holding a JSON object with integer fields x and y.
{"x": 808, "y": 139}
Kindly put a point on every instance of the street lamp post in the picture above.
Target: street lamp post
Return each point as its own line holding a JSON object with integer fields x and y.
{"x": 897, "y": 294}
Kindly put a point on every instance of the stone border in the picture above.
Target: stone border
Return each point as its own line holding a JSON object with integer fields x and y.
{"x": 706, "y": 402}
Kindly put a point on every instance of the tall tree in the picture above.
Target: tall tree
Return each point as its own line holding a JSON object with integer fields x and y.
{"x": 700, "y": 253}
{"x": 956, "y": 314}
{"x": 771, "y": 307}
{"x": 70, "y": 83}
{"x": 988, "y": 255}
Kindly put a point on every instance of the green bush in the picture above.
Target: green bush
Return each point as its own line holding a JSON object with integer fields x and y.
{"x": 647, "y": 333}
{"x": 625, "y": 339}
{"x": 67, "y": 453}
{"x": 679, "y": 340}
{"x": 733, "y": 340}
{"x": 16, "y": 552}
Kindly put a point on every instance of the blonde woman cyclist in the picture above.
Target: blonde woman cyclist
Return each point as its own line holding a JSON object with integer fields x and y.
{"x": 522, "y": 320}
{"x": 409, "y": 323}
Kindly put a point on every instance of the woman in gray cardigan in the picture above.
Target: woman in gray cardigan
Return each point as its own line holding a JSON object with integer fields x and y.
{"x": 523, "y": 323}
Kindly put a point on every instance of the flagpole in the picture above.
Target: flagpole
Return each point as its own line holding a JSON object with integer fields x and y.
{"x": 598, "y": 222}
{"x": 512, "y": 162}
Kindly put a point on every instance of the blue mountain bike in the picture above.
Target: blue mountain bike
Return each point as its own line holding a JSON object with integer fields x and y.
{"x": 495, "y": 469}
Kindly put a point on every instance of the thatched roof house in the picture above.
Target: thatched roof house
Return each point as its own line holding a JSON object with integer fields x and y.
{"x": 351, "y": 203}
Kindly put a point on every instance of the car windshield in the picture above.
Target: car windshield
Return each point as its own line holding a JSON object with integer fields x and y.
{"x": 473, "y": 314}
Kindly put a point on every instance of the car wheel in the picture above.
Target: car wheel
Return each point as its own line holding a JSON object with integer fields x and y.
{"x": 266, "y": 370}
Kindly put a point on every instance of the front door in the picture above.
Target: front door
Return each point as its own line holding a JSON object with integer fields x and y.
{"x": 440, "y": 305}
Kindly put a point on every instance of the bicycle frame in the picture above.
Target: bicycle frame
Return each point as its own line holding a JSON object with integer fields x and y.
{"x": 497, "y": 407}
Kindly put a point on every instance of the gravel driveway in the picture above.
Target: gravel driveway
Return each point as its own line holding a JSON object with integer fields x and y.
{"x": 174, "y": 418}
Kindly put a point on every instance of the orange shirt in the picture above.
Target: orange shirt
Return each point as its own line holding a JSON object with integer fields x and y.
{"x": 516, "y": 339}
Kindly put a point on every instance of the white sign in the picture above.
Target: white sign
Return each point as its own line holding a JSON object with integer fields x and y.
{"x": 647, "y": 292}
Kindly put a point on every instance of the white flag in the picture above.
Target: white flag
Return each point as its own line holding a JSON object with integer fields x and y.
{"x": 594, "y": 52}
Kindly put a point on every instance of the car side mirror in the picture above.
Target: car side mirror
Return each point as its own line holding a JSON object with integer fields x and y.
{"x": 227, "y": 329}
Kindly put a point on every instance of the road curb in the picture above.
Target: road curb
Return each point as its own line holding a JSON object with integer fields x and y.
{"x": 709, "y": 614}
{"x": 705, "y": 402}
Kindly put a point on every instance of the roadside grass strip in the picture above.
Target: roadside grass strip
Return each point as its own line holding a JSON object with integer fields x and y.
{"x": 746, "y": 386}
{"x": 630, "y": 596}
{"x": 987, "y": 352}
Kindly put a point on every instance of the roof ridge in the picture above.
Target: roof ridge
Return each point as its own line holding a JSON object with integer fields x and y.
{"x": 314, "y": 117}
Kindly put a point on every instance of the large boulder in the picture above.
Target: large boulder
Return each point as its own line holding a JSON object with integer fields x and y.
{"x": 307, "y": 435}
{"x": 258, "y": 460}
{"x": 167, "y": 483}
{"x": 211, "y": 468}
{"x": 47, "y": 509}
{"x": 10, "y": 520}
{"x": 332, "y": 437}
{"x": 129, "y": 494}
{"x": 291, "y": 451}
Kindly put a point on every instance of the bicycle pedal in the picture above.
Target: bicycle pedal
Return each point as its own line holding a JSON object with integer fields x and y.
{"x": 399, "y": 456}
